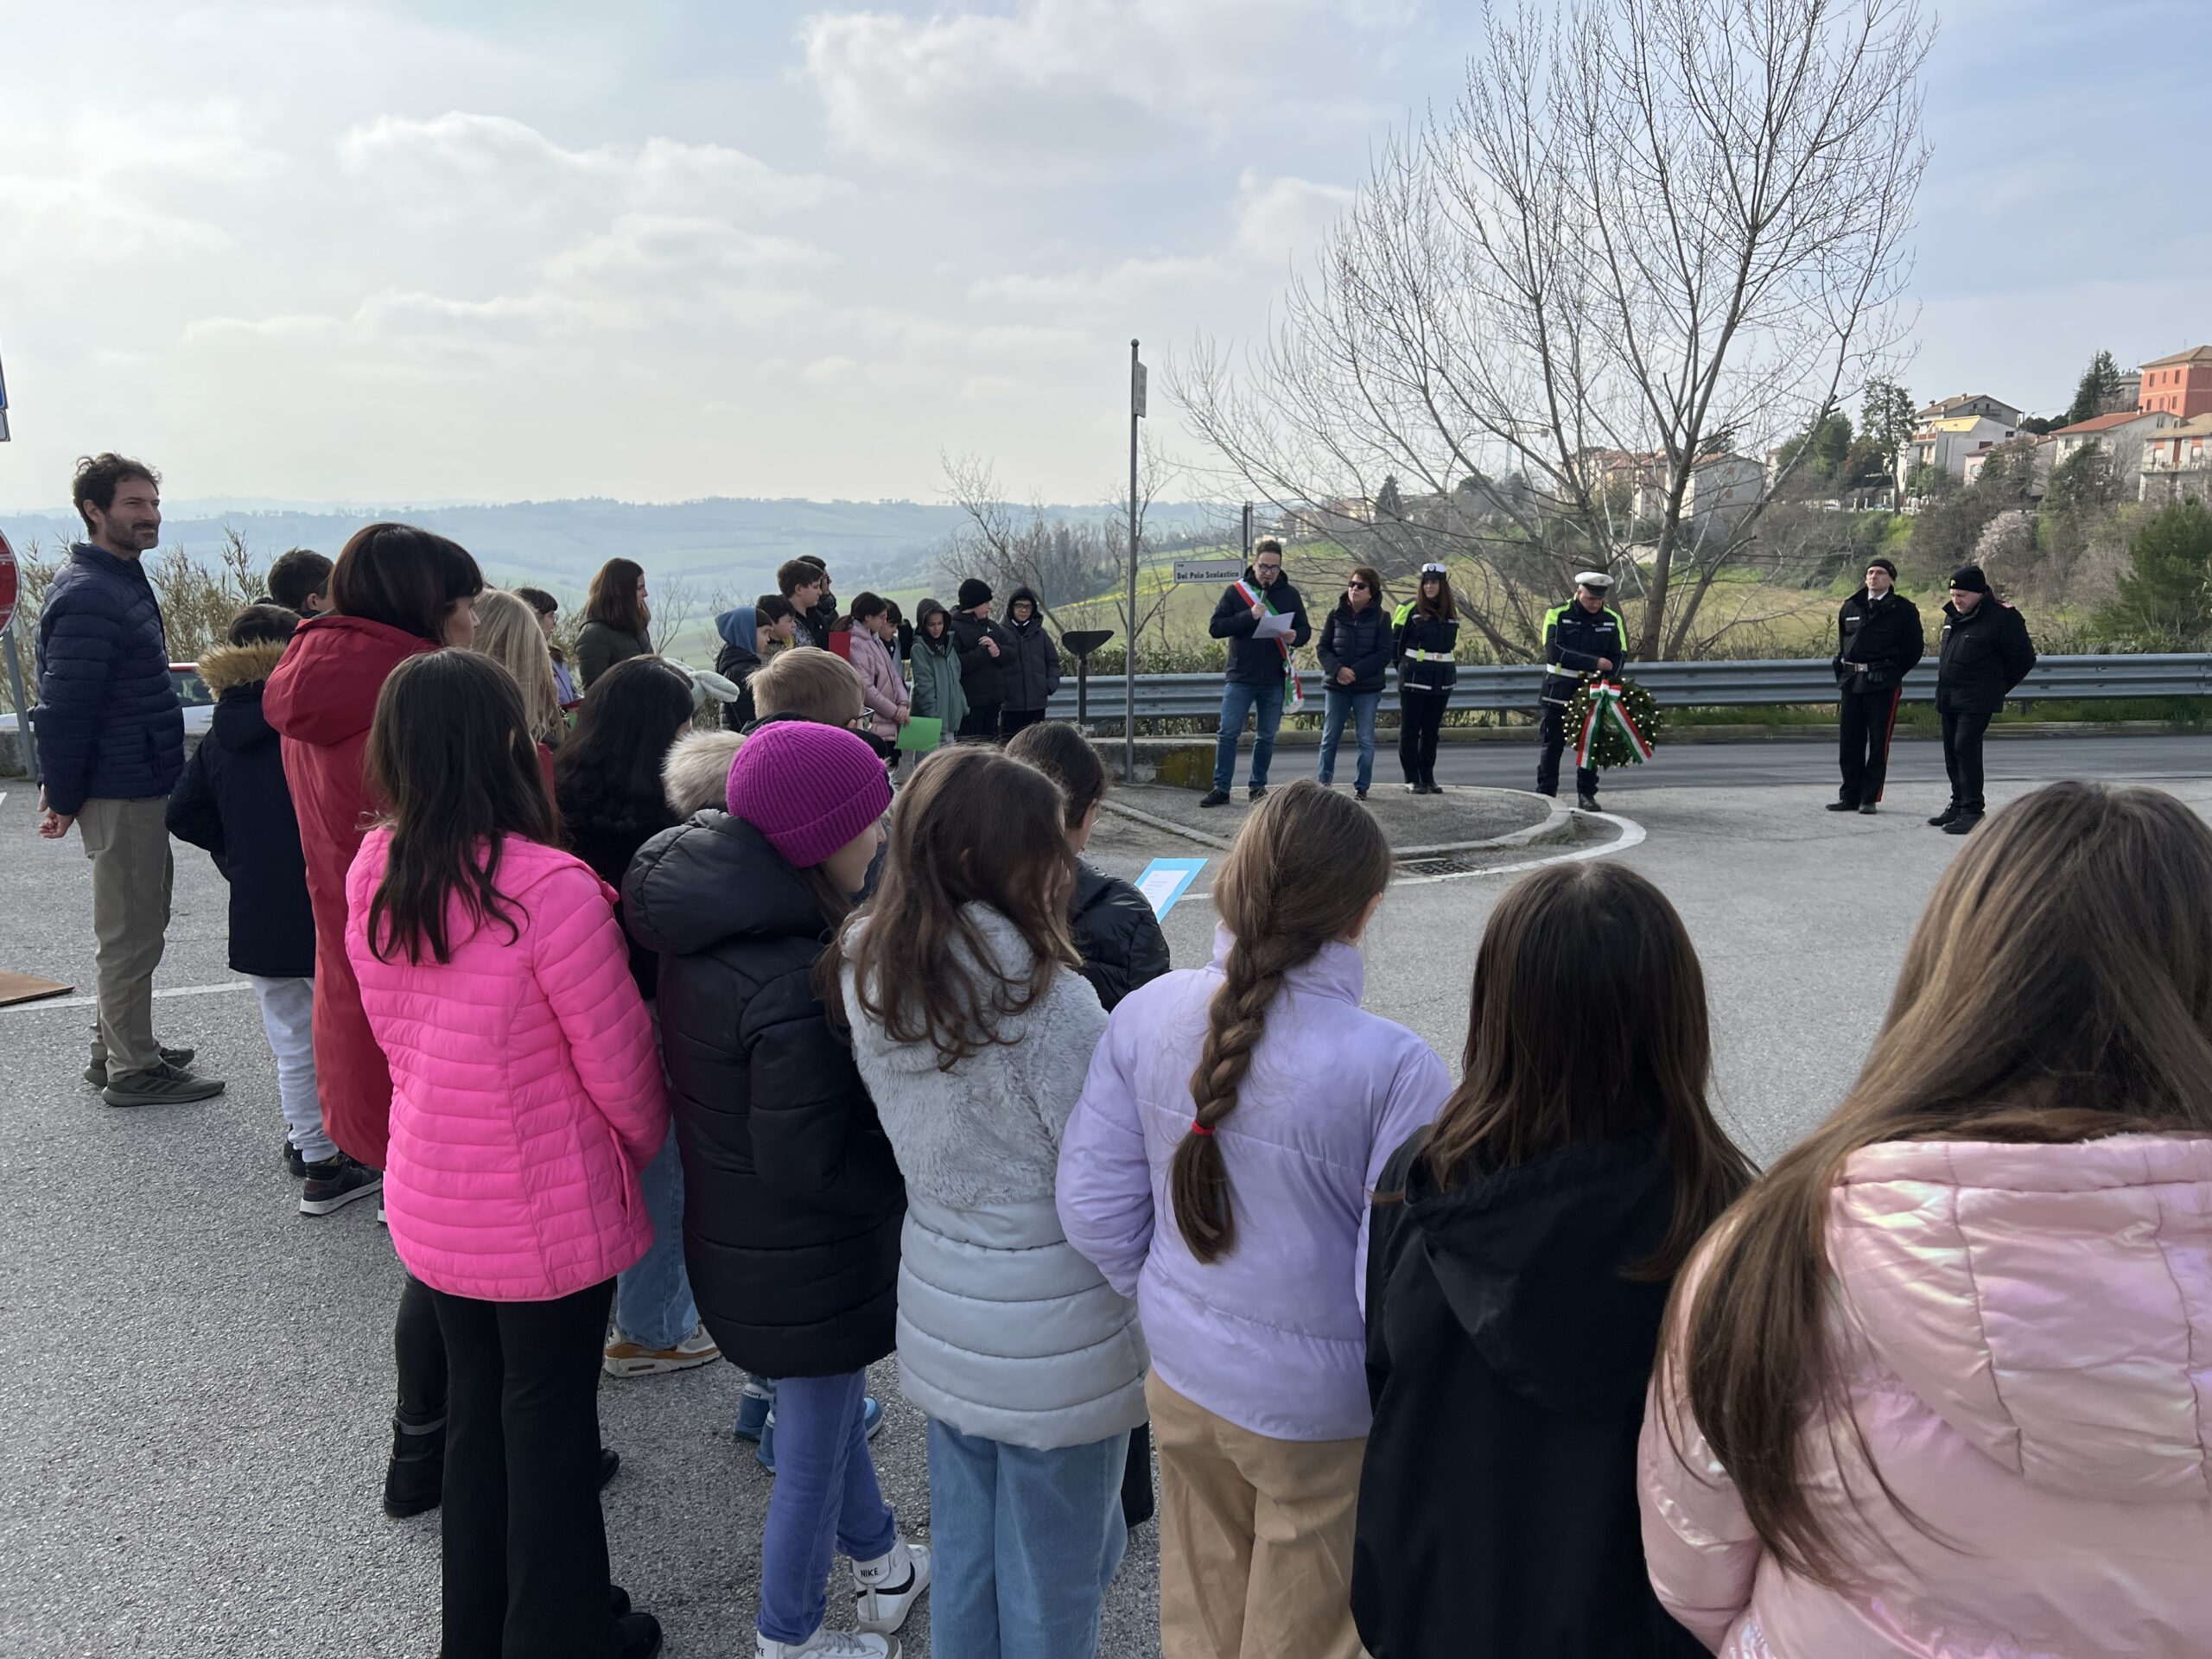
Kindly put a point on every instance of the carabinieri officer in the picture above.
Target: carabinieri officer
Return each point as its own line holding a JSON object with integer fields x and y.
{"x": 1583, "y": 635}
{"x": 1877, "y": 641}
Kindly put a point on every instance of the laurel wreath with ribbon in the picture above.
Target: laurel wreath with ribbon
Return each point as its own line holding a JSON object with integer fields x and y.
{"x": 1614, "y": 722}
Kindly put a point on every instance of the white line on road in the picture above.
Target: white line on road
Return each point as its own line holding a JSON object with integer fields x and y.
{"x": 91, "y": 1001}
{"x": 1631, "y": 834}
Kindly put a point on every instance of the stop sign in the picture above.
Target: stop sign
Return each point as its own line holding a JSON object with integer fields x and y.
{"x": 7, "y": 583}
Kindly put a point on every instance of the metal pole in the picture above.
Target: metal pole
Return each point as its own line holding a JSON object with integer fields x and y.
{"x": 1248, "y": 532}
{"x": 1130, "y": 642}
{"x": 24, "y": 744}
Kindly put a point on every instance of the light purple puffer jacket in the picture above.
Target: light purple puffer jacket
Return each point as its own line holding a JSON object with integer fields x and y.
{"x": 2025, "y": 1338}
{"x": 1272, "y": 1335}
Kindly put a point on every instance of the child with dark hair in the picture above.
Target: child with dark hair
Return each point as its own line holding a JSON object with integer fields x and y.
{"x": 749, "y": 634}
{"x": 234, "y": 801}
{"x": 300, "y": 582}
{"x": 525, "y": 1093}
{"x": 1262, "y": 1102}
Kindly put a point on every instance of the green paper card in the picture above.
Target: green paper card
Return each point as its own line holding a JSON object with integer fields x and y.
{"x": 921, "y": 733}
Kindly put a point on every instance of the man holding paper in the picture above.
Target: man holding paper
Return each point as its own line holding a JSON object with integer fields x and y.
{"x": 1264, "y": 621}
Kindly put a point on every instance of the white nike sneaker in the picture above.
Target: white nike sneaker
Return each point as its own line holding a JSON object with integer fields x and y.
{"x": 887, "y": 1587}
{"x": 826, "y": 1643}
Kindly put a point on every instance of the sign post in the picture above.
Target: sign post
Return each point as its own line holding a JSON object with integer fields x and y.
{"x": 10, "y": 588}
{"x": 1130, "y": 642}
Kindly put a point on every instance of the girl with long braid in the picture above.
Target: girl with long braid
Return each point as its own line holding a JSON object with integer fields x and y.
{"x": 1257, "y": 1103}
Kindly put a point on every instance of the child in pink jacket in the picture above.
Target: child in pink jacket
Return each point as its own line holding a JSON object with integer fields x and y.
{"x": 526, "y": 1094}
{"x": 875, "y": 659}
{"x": 1940, "y": 1385}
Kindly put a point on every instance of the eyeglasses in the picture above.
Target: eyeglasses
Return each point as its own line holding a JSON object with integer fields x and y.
{"x": 1267, "y": 569}
{"x": 1360, "y": 585}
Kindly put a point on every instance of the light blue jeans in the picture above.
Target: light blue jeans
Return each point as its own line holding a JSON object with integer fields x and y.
{"x": 1362, "y": 706}
{"x": 1238, "y": 699}
{"x": 1025, "y": 1542}
{"x": 652, "y": 1300}
{"x": 826, "y": 1499}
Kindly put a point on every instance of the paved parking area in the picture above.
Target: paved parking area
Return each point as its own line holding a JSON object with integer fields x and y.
{"x": 197, "y": 1378}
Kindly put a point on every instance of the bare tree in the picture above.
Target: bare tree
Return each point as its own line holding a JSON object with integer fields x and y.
{"x": 1651, "y": 238}
{"x": 675, "y": 600}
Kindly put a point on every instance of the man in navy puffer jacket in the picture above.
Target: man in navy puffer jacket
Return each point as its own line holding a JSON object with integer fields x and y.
{"x": 110, "y": 745}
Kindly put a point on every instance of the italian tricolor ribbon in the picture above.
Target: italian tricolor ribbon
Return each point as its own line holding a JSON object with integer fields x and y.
{"x": 1606, "y": 703}
{"x": 1293, "y": 693}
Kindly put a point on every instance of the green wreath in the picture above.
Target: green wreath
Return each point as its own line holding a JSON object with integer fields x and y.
{"x": 1610, "y": 744}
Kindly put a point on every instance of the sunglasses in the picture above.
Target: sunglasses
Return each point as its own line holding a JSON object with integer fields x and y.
{"x": 1360, "y": 585}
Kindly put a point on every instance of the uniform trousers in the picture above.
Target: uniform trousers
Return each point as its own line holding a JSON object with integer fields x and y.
{"x": 1867, "y": 719}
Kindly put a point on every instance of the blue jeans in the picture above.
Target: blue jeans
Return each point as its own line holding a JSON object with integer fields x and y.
{"x": 1025, "y": 1542}
{"x": 652, "y": 1300}
{"x": 825, "y": 1500}
{"x": 1362, "y": 705}
{"x": 1238, "y": 699}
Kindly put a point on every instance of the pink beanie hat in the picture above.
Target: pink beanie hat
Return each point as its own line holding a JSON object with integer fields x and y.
{"x": 809, "y": 789}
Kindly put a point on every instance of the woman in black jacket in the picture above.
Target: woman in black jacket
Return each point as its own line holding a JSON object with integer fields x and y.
{"x": 607, "y": 780}
{"x": 793, "y": 1201}
{"x": 1426, "y": 635}
{"x": 1030, "y": 672}
{"x": 1355, "y": 652}
{"x": 1522, "y": 1249}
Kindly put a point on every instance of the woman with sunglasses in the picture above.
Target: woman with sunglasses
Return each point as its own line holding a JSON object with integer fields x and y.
{"x": 1427, "y": 630}
{"x": 1355, "y": 650}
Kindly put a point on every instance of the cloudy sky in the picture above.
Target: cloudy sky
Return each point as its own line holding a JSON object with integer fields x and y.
{"x": 504, "y": 249}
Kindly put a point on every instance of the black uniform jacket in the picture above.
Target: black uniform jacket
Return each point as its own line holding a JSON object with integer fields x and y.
{"x": 793, "y": 1201}
{"x": 1883, "y": 634}
{"x": 1507, "y": 1359}
{"x": 1984, "y": 655}
{"x": 1576, "y": 640}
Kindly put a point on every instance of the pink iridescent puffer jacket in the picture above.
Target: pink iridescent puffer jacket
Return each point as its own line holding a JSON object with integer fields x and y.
{"x": 526, "y": 1089}
{"x": 2025, "y": 1338}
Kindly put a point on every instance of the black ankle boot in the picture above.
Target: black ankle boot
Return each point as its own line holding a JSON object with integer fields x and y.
{"x": 416, "y": 1477}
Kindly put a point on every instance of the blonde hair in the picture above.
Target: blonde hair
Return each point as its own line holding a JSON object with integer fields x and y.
{"x": 810, "y": 684}
{"x": 508, "y": 631}
{"x": 695, "y": 775}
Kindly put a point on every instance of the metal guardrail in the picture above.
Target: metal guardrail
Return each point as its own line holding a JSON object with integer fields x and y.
{"x": 1687, "y": 685}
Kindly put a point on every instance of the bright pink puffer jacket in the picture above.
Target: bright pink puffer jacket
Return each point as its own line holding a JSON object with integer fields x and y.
{"x": 2025, "y": 1338}
{"x": 526, "y": 1087}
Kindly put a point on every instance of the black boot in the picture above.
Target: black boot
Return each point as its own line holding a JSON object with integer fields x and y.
{"x": 416, "y": 1478}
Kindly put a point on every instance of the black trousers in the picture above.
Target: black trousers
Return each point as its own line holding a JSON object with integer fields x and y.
{"x": 526, "y": 1546}
{"x": 1012, "y": 720}
{"x": 1868, "y": 719}
{"x": 1962, "y": 736}
{"x": 418, "y": 1353}
{"x": 980, "y": 724}
{"x": 1552, "y": 733}
{"x": 1421, "y": 716}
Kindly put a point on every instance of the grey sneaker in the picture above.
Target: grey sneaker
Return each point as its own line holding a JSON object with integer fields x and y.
{"x": 175, "y": 1059}
{"x": 167, "y": 1087}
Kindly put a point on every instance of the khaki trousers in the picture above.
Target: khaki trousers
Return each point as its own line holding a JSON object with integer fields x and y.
{"x": 1255, "y": 1538}
{"x": 129, "y": 844}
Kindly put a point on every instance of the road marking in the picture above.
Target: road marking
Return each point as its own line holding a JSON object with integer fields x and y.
{"x": 1631, "y": 835}
{"x": 93, "y": 1001}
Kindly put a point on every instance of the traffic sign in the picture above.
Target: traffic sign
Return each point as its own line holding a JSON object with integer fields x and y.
{"x": 1208, "y": 569}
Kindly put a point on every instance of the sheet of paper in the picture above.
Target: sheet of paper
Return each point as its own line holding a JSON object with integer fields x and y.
{"x": 1166, "y": 880}
{"x": 922, "y": 733}
{"x": 1273, "y": 626}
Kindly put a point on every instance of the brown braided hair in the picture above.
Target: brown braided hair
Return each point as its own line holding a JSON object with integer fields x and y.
{"x": 1305, "y": 866}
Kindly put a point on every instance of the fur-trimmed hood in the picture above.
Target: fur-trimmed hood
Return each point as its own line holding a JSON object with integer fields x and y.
{"x": 229, "y": 665}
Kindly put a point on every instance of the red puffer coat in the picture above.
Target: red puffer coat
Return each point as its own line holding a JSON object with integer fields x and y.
{"x": 320, "y": 699}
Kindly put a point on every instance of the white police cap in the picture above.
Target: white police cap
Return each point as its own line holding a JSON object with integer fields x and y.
{"x": 1597, "y": 579}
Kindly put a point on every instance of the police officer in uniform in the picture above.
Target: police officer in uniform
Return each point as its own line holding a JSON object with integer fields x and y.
{"x": 1984, "y": 653}
{"x": 1584, "y": 634}
{"x": 1877, "y": 641}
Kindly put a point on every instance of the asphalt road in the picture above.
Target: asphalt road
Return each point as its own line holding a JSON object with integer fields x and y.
{"x": 196, "y": 1379}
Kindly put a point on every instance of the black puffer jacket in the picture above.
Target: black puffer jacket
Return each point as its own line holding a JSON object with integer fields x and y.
{"x": 793, "y": 1202}
{"x": 1507, "y": 1359}
{"x": 1117, "y": 935}
{"x": 983, "y": 676}
{"x": 1252, "y": 660}
{"x": 1030, "y": 671}
{"x": 1358, "y": 640}
{"x": 234, "y": 801}
{"x": 1414, "y": 631}
{"x": 1984, "y": 655}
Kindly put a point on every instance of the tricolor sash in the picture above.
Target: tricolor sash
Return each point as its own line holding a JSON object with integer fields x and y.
{"x": 1605, "y": 704}
{"x": 1293, "y": 693}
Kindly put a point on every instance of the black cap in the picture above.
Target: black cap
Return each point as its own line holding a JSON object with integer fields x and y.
{"x": 974, "y": 591}
{"x": 1882, "y": 565}
{"x": 1970, "y": 578}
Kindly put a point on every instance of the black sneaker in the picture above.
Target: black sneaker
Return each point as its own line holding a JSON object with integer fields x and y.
{"x": 1359, "y": 794}
{"x": 609, "y": 1461}
{"x": 167, "y": 1087}
{"x": 1944, "y": 816}
{"x": 1256, "y": 792}
{"x": 1843, "y": 806}
{"x": 637, "y": 1636}
{"x": 414, "y": 1479}
{"x": 173, "y": 1058}
{"x": 1963, "y": 824}
{"x": 295, "y": 1166}
{"x": 1587, "y": 801}
{"x": 336, "y": 1183}
{"x": 1214, "y": 798}
{"x": 1867, "y": 809}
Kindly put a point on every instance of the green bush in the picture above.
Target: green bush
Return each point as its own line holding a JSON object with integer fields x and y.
{"x": 2165, "y": 601}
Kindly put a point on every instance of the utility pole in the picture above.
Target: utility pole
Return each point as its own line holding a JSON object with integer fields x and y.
{"x": 1130, "y": 642}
